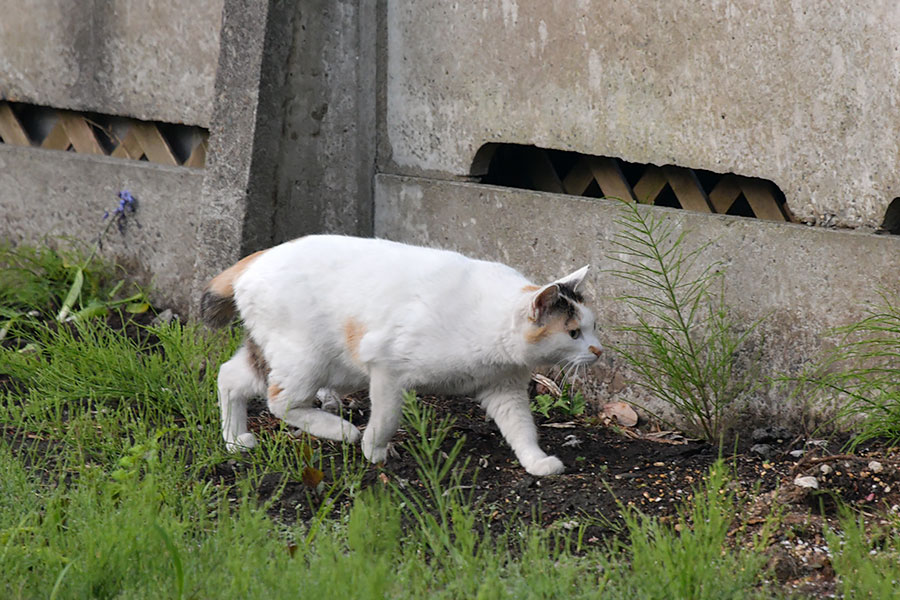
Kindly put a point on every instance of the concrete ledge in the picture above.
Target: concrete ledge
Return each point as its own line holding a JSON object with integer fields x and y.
{"x": 48, "y": 194}
{"x": 807, "y": 280}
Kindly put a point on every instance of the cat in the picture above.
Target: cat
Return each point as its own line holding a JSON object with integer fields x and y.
{"x": 328, "y": 314}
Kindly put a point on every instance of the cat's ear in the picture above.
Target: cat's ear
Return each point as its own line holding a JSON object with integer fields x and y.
{"x": 543, "y": 301}
{"x": 573, "y": 280}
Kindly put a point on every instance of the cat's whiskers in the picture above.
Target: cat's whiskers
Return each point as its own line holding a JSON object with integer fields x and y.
{"x": 565, "y": 372}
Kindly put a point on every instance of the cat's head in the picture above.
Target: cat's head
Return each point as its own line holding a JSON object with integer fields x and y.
{"x": 558, "y": 328}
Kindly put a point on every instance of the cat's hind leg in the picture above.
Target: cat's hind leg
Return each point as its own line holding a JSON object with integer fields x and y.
{"x": 511, "y": 411}
{"x": 238, "y": 382}
{"x": 291, "y": 397}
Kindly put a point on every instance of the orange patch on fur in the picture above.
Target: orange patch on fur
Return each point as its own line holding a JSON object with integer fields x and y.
{"x": 531, "y": 288}
{"x": 558, "y": 324}
{"x": 223, "y": 284}
{"x": 275, "y": 391}
{"x": 353, "y": 334}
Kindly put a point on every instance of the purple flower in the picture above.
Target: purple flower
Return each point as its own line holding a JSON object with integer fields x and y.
{"x": 127, "y": 204}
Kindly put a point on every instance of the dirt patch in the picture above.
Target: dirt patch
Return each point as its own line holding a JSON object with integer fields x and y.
{"x": 606, "y": 470}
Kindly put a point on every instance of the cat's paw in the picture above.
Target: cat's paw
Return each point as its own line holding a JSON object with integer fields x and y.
{"x": 350, "y": 433}
{"x": 373, "y": 455}
{"x": 242, "y": 443}
{"x": 329, "y": 400}
{"x": 549, "y": 465}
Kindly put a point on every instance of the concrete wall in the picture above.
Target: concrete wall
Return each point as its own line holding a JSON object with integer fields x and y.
{"x": 287, "y": 90}
{"x": 154, "y": 61}
{"x": 803, "y": 93}
{"x": 801, "y": 280}
{"x": 46, "y": 196}
{"x": 292, "y": 147}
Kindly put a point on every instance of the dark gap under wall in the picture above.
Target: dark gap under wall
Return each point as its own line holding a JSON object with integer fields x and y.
{"x": 558, "y": 171}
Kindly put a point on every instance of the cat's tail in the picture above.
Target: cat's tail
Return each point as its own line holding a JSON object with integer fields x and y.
{"x": 217, "y": 310}
{"x": 217, "y": 306}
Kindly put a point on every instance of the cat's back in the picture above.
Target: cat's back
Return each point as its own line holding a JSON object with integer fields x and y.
{"x": 368, "y": 265}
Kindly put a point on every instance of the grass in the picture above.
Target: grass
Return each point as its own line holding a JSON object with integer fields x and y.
{"x": 861, "y": 374}
{"x": 108, "y": 490}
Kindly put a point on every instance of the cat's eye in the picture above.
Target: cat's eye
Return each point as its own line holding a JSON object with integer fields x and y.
{"x": 575, "y": 334}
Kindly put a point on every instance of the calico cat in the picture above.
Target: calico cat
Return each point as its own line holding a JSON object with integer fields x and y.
{"x": 328, "y": 314}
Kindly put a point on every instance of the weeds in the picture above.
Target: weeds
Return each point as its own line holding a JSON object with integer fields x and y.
{"x": 686, "y": 345}
{"x": 867, "y": 563}
{"x": 692, "y": 559}
{"x": 862, "y": 373}
{"x": 567, "y": 404}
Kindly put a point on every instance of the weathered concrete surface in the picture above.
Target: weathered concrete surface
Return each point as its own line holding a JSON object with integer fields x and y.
{"x": 49, "y": 195}
{"x": 224, "y": 203}
{"x": 803, "y": 280}
{"x": 153, "y": 61}
{"x": 802, "y": 93}
{"x": 292, "y": 143}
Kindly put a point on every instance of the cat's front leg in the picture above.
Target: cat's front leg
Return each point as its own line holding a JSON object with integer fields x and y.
{"x": 387, "y": 405}
{"x": 509, "y": 408}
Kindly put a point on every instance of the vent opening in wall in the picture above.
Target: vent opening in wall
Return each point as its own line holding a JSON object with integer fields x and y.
{"x": 558, "y": 171}
{"x": 891, "y": 223}
{"x": 93, "y": 133}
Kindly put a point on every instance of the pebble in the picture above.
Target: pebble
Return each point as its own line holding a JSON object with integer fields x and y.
{"x": 769, "y": 434}
{"x": 807, "y": 481}
{"x": 763, "y": 450}
{"x": 164, "y": 318}
{"x": 797, "y": 453}
{"x": 875, "y": 466}
{"x": 826, "y": 469}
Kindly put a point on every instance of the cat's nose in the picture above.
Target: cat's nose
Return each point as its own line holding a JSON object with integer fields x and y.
{"x": 596, "y": 351}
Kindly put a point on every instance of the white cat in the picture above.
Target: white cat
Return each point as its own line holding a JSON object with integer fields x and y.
{"x": 329, "y": 314}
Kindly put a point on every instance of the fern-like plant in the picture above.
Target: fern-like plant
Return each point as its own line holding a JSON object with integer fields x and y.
{"x": 686, "y": 346}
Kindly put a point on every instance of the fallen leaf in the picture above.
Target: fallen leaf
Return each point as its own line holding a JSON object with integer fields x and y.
{"x": 548, "y": 384}
{"x": 624, "y": 414}
{"x": 311, "y": 477}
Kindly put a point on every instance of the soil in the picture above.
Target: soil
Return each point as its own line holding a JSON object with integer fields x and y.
{"x": 608, "y": 467}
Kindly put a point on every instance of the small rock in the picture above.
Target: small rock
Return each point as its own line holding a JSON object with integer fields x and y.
{"x": 876, "y": 467}
{"x": 807, "y": 481}
{"x": 770, "y": 434}
{"x": 826, "y": 469}
{"x": 797, "y": 453}
{"x": 759, "y": 434}
{"x": 164, "y": 318}
{"x": 764, "y": 450}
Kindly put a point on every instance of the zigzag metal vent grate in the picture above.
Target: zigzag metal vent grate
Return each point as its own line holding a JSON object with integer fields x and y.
{"x": 91, "y": 133}
{"x": 562, "y": 172}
